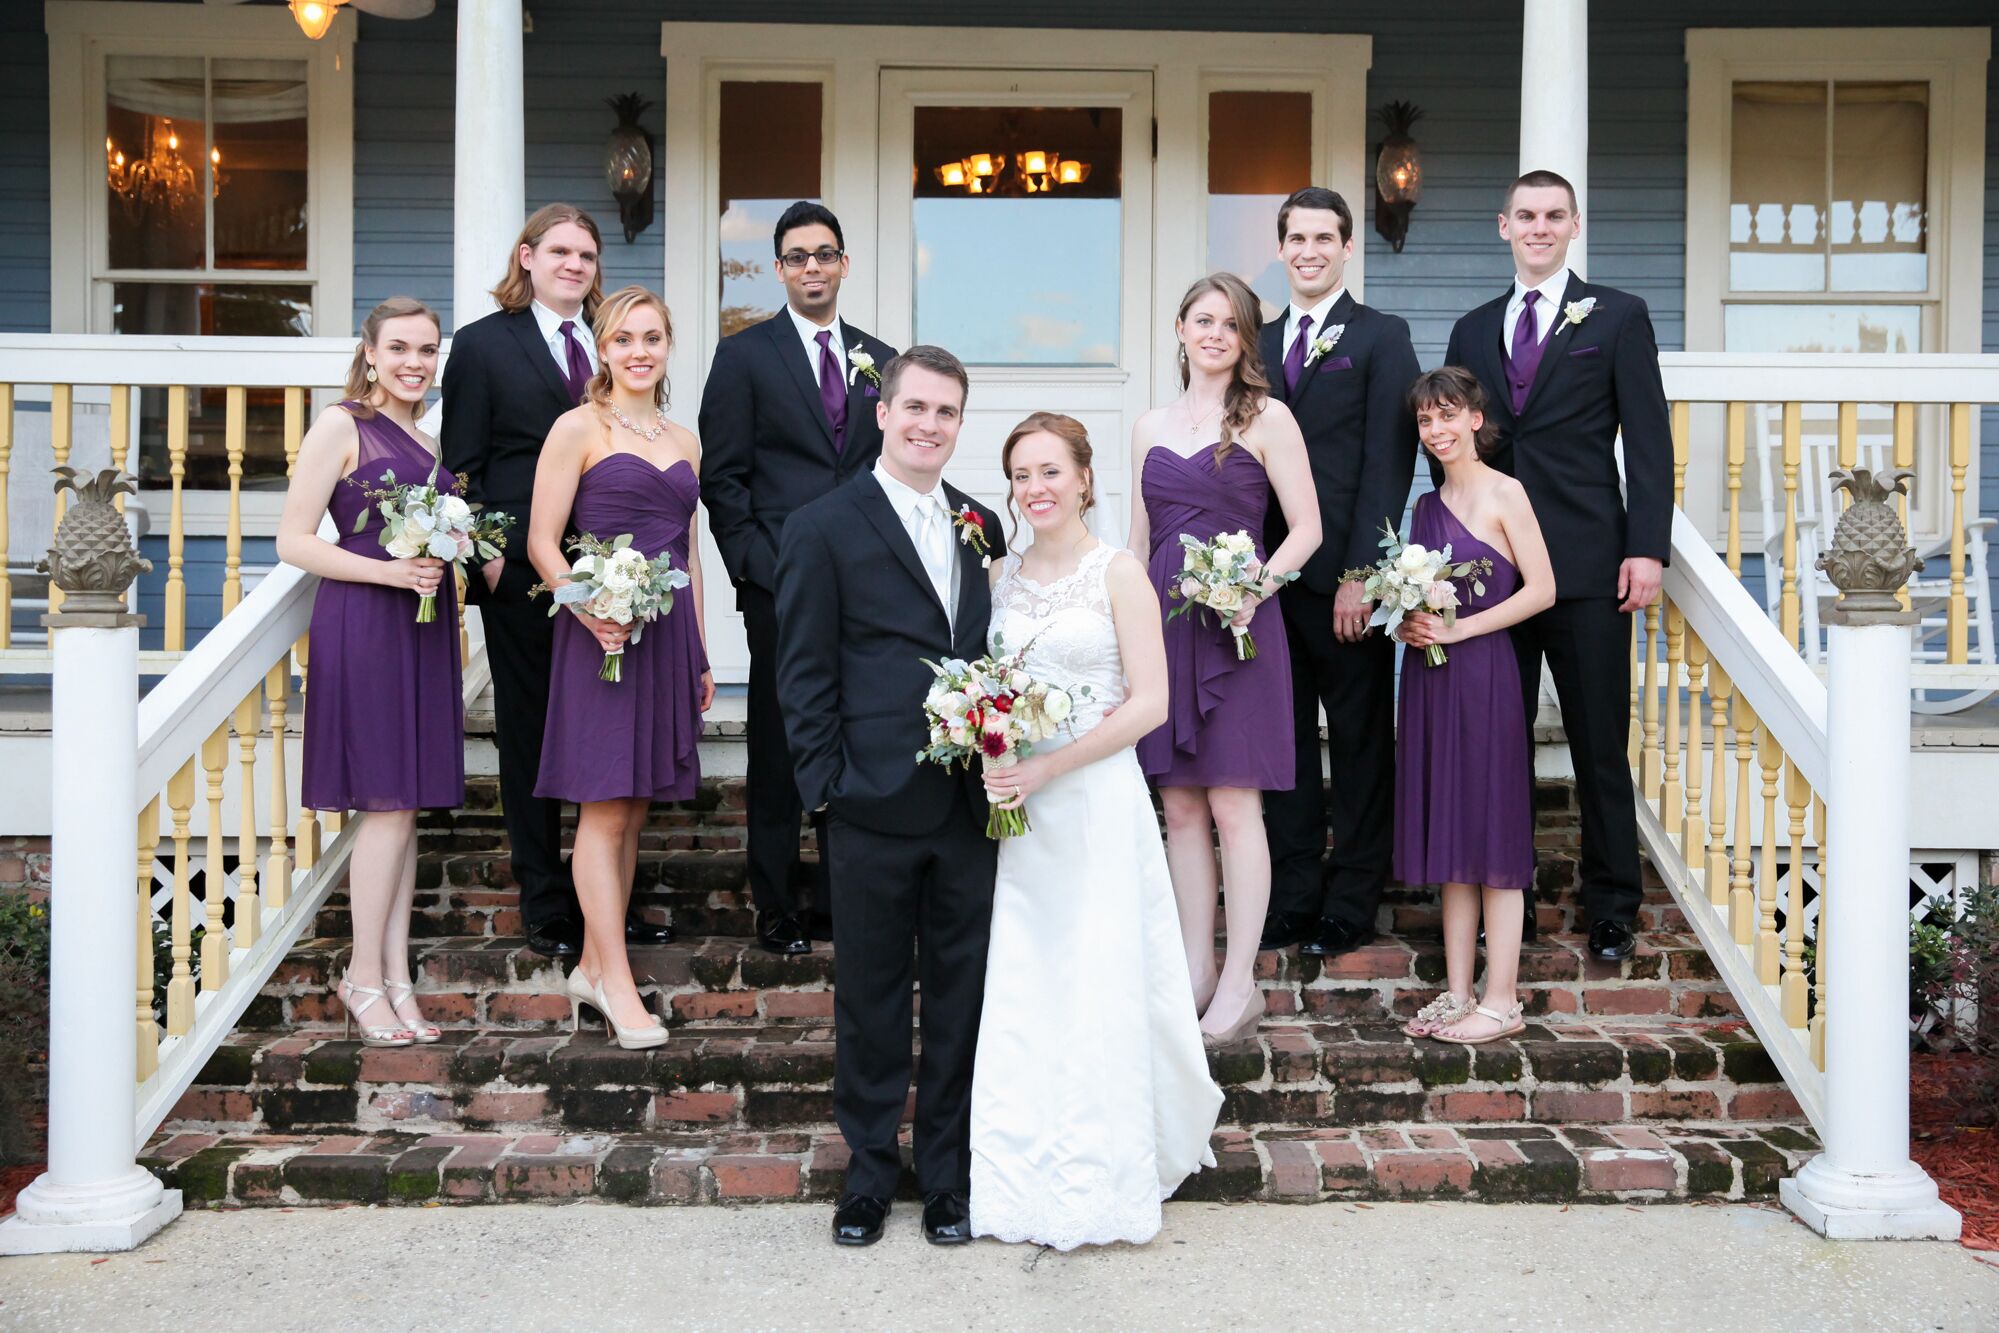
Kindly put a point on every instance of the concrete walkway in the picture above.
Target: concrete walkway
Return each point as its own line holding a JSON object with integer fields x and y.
{"x": 598, "y": 1267}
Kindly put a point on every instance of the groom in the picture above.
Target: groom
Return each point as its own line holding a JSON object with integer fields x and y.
{"x": 872, "y": 579}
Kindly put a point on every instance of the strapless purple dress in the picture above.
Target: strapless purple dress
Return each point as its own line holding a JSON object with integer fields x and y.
{"x": 384, "y": 707}
{"x": 640, "y": 736}
{"x": 1228, "y": 723}
{"x": 1461, "y": 774}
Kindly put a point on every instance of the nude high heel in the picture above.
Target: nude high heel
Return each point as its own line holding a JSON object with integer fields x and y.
{"x": 390, "y": 1035}
{"x": 630, "y": 1039}
{"x": 423, "y": 1033}
{"x": 1243, "y": 1027}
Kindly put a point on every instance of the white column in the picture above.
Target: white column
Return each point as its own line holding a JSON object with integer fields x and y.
{"x": 94, "y": 1195}
{"x": 1554, "y": 101}
{"x": 489, "y": 185}
{"x": 1863, "y": 1186}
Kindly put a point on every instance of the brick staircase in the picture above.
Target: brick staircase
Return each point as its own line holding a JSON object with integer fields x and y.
{"x": 1632, "y": 1082}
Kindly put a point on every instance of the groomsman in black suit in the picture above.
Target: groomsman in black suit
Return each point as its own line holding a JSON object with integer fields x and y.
{"x": 1344, "y": 370}
{"x": 787, "y": 416}
{"x": 509, "y": 376}
{"x": 871, "y": 580}
{"x": 1567, "y": 366}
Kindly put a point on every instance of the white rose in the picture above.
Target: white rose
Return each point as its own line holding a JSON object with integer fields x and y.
{"x": 1226, "y": 599}
{"x": 1223, "y": 560}
{"x": 1057, "y": 705}
{"x": 1240, "y": 543}
{"x": 1019, "y": 682}
{"x": 453, "y": 512}
{"x": 1414, "y": 559}
{"x": 407, "y": 544}
{"x": 1411, "y": 597}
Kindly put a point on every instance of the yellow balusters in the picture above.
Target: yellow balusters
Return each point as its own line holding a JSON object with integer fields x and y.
{"x": 277, "y": 872}
{"x": 1769, "y": 949}
{"x": 1682, "y": 446}
{"x": 1634, "y": 743}
{"x": 1692, "y": 835}
{"x": 294, "y": 426}
{"x": 307, "y": 839}
{"x": 62, "y": 435}
{"x": 1671, "y": 809}
{"x": 180, "y": 987}
{"x": 1648, "y": 768}
{"x": 233, "y": 432}
{"x": 1716, "y": 872}
{"x": 1789, "y": 610}
{"x": 1797, "y": 795}
{"x": 1960, "y": 463}
{"x": 121, "y": 452}
{"x": 142, "y": 993}
{"x": 1741, "y": 889}
{"x": 1819, "y": 944}
{"x": 1738, "y": 447}
{"x": 249, "y": 722}
{"x": 1905, "y": 457}
{"x": 6, "y": 453}
{"x": 215, "y": 880}
{"x": 175, "y": 630}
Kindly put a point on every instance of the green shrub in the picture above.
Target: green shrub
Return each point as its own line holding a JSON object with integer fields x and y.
{"x": 24, "y": 1025}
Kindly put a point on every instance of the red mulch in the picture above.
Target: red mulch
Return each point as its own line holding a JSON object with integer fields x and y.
{"x": 1955, "y": 1139}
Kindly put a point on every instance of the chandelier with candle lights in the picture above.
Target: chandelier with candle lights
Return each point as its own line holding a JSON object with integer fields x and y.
{"x": 1031, "y": 171}
{"x": 159, "y": 179}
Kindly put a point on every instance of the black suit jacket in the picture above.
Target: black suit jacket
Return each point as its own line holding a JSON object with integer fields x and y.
{"x": 856, "y": 617}
{"x": 766, "y": 447}
{"x": 1352, "y": 406}
{"x": 1595, "y": 379}
{"x": 502, "y": 393}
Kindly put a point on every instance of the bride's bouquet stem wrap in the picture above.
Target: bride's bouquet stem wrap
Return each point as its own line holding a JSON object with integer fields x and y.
{"x": 614, "y": 581}
{"x": 1412, "y": 577}
{"x": 991, "y": 710}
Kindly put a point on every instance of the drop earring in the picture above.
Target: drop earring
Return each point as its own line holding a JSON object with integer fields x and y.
{"x": 371, "y": 374}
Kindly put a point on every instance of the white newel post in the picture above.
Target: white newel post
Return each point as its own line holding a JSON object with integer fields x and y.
{"x": 1864, "y": 1186}
{"x": 94, "y": 1195}
{"x": 489, "y": 186}
{"x": 1554, "y": 101}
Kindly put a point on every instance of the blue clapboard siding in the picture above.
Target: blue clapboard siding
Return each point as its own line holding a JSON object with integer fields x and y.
{"x": 202, "y": 566}
{"x": 24, "y": 170}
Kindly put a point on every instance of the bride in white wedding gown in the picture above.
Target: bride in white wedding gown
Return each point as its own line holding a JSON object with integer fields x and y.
{"x": 1091, "y": 1098}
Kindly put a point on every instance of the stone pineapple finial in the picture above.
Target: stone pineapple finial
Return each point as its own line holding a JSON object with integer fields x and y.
{"x": 93, "y": 560}
{"x": 1871, "y": 557}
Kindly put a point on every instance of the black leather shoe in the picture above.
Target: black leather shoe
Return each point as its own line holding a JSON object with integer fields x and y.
{"x": 638, "y": 930}
{"x": 1281, "y": 930}
{"x": 858, "y": 1220}
{"x": 947, "y": 1219}
{"x": 1611, "y": 942}
{"x": 558, "y": 937}
{"x": 1335, "y": 938}
{"x": 782, "y": 934}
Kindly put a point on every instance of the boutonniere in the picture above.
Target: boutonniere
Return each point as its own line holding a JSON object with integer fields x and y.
{"x": 1575, "y": 312}
{"x": 1323, "y": 345}
{"x": 859, "y": 364}
{"x": 972, "y": 532}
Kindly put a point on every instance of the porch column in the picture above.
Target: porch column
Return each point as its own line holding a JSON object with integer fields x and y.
{"x": 489, "y": 186}
{"x": 1554, "y": 101}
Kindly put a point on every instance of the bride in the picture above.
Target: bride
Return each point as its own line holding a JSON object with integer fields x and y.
{"x": 1091, "y": 1099}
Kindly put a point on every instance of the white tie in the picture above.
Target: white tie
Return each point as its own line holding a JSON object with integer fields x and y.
{"x": 933, "y": 544}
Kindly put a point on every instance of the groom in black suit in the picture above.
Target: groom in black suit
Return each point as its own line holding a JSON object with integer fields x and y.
{"x": 1344, "y": 369}
{"x": 1567, "y": 365}
{"x": 871, "y": 580}
{"x": 787, "y": 416}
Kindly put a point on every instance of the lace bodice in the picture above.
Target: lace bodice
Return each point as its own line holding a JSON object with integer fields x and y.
{"x": 1068, "y": 623}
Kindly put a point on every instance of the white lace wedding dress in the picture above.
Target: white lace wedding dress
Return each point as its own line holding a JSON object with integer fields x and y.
{"x": 1091, "y": 1099}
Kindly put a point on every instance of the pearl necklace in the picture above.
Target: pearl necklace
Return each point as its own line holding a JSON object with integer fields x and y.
{"x": 648, "y": 434}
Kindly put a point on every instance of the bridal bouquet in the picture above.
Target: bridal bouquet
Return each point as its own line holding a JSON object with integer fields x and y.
{"x": 614, "y": 581}
{"x": 1221, "y": 575}
{"x": 993, "y": 711}
{"x": 418, "y": 519}
{"x": 1413, "y": 577}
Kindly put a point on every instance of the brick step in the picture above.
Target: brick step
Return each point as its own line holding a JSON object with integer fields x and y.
{"x": 495, "y": 983}
{"x": 779, "y": 1077}
{"x": 1608, "y": 1163}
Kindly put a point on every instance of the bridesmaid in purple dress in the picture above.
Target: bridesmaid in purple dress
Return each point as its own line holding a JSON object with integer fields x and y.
{"x": 1207, "y": 464}
{"x": 384, "y": 716}
{"x": 1463, "y": 778}
{"x": 615, "y": 465}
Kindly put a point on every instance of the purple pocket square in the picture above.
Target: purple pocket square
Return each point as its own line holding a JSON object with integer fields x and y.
{"x": 1587, "y": 351}
{"x": 871, "y": 392}
{"x": 1336, "y": 363}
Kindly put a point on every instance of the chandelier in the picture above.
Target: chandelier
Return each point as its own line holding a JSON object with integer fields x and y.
{"x": 1033, "y": 172}
{"x": 161, "y": 179}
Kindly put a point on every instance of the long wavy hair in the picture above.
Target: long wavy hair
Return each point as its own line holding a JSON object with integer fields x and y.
{"x": 359, "y": 390}
{"x": 516, "y": 291}
{"x": 610, "y": 317}
{"x": 1249, "y": 387}
{"x": 1064, "y": 428}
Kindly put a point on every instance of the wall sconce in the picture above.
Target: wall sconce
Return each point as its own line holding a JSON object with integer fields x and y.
{"x": 628, "y": 164}
{"x": 314, "y": 17}
{"x": 1398, "y": 173}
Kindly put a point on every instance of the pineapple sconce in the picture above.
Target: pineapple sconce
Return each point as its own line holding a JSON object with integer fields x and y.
{"x": 93, "y": 560}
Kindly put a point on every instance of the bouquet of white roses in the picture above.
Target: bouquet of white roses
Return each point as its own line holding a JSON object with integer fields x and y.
{"x": 1413, "y": 577}
{"x": 614, "y": 581}
{"x": 993, "y": 711}
{"x": 1221, "y": 575}
{"x": 418, "y": 519}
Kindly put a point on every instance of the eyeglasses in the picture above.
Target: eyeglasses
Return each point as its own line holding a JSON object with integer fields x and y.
{"x": 825, "y": 254}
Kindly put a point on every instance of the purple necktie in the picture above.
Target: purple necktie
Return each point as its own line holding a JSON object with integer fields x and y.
{"x": 1294, "y": 360}
{"x": 578, "y": 374}
{"x": 832, "y": 391}
{"x": 1526, "y": 358}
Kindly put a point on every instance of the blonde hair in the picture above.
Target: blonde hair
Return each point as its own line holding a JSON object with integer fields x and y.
{"x": 1064, "y": 428}
{"x": 611, "y": 316}
{"x": 359, "y": 388}
{"x": 1243, "y": 400}
{"x": 516, "y": 291}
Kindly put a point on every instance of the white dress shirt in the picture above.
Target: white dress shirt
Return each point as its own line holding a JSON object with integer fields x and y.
{"x": 926, "y": 517}
{"x": 1546, "y": 310}
{"x": 1318, "y": 313}
{"x": 808, "y": 333}
{"x": 550, "y": 325}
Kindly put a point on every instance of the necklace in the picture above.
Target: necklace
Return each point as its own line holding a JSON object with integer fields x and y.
{"x": 646, "y": 433}
{"x": 1194, "y": 423}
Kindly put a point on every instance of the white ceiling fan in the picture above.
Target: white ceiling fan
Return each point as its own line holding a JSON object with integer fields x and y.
{"x": 316, "y": 16}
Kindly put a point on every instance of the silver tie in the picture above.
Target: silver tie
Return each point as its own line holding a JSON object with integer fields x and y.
{"x": 933, "y": 543}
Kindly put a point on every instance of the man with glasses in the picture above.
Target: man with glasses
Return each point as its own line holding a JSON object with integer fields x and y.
{"x": 787, "y": 416}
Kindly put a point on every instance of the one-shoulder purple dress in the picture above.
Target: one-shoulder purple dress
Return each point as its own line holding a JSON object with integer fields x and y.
{"x": 384, "y": 707}
{"x": 1228, "y": 722}
{"x": 1461, "y": 774}
{"x": 639, "y": 736}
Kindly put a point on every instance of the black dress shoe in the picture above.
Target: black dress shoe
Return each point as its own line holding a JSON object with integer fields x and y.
{"x": 558, "y": 937}
{"x": 947, "y": 1219}
{"x": 1611, "y": 942}
{"x": 1281, "y": 930}
{"x": 858, "y": 1220}
{"x": 638, "y": 930}
{"x": 1335, "y": 938}
{"x": 782, "y": 933}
